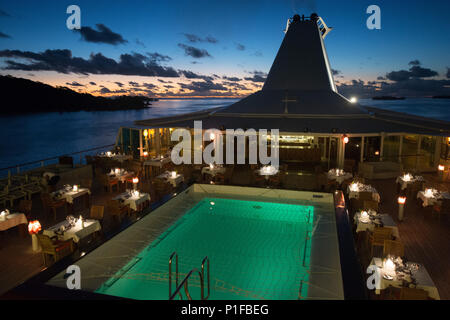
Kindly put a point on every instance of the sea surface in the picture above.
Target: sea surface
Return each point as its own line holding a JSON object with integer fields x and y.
{"x": 33, "y": 137}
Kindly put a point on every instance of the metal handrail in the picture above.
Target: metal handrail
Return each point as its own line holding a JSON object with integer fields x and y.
{"x": 185, "y": 282}
{"x": 176, "y": 273}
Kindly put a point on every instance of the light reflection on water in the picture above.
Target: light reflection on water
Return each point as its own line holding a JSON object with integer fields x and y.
{"x": 37, "y": 136}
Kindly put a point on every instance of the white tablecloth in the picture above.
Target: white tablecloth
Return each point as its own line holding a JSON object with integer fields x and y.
{"x": 157, "y": 162}
{"x": 363, "y": 188}
{"x": 133, "y": 201}
{"x": 70, "y": 195}
{"x": 173, "y": 181}
{"x": 340, "y": 178}
{"x": 421, "y": 275}
{"x": 212, "y": 172}
{"x": 404, "y": 184}
{"x": 76, "y": 233}
{"x": 386, "y": 219}
{"x": 13, "y": 220}
{"x": 435, "y": 199}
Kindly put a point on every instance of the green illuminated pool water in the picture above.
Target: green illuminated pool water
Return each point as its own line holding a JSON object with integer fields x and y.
{"x": 257, "y": 250}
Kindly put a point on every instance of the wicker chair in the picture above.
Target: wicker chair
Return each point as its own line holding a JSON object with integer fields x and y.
{"x": 53, "y": 205}
{"x": 393, "y": 247}
{"x": 413, "y": 294}
{"x": 370, "y": 205}
{"x": 25, "y": 207}
{"x": 97, "y": 213}
{"x": 442, "y": 209}
{"x": 57, "y": 249}
{"x": 108, "y": 183}
{"x": 377, "y": 237}
{"x": 117, "y": 210}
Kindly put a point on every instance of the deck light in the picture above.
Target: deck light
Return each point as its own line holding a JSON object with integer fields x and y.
{"x": 75, "y": 188}
{"x": 145, "y": 154}
{"x": 441, "y": 168}
{"x": 401, "y": 207}
{"x": 345, "y": 139}
{"x": 145, "y": 133}
{"x": 389, "y": 267}
{"x": 353, "y": 100}
{"x": 135, "y": 182}
{"x": 33, "y": 228}
{"x": 174, "y": 174}
{"x": 377, "y": 153}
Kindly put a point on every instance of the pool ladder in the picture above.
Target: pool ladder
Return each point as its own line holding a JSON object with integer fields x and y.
{"x": 185, "y": 282}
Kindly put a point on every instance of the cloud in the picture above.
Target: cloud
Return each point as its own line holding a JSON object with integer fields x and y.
{"x": 193, "y": 75}
{"x": 240, "y": 47}
{"x": 133, "y": 84}
{"x": 335, "y": 72}
{"x": 62, "y": 61}
{"x": 203, "y": 87}
{"x": 102, "y": 35}
{"x": 120, "y": 84}
{"x": 194, "y": 38}
{"x": 194, "y": 52}
{"x": 4, "y": 35}
{"x": 92, "y": 83}
{"x": 231, "y": 78}
{"x": 140, "y": 43}
{"x": 257, "y": 53}
{"x": 415, "y": 71}
{"x": 157, "y": 57}
{"x": 258, "y": 76}
{"x": 74, "y": 84}
{"x": 164, "y": 81}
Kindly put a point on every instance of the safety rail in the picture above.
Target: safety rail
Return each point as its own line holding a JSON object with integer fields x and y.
{"x": 185, "y": 282}
{"x": 41, "y": 163}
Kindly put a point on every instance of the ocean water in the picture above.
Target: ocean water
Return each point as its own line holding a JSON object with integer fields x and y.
{"x": 33, "y": 137}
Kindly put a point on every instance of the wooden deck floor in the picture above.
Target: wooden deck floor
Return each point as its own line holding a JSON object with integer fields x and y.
{"x": 426, "y": 240}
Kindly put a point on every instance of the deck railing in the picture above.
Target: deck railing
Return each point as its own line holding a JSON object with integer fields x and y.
{"x": 26, "y": 166}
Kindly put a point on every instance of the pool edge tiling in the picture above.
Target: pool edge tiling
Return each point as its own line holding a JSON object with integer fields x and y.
{"x": 322, "y": 281}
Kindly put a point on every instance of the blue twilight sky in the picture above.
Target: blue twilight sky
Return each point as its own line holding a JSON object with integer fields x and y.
{"x": 247, "y": 36}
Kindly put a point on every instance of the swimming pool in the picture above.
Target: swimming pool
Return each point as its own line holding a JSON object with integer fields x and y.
{"x": 261, "y": 244}
{"x": 257, "y": 250}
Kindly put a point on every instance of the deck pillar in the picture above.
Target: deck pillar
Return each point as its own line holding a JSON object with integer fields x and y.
{"x": 362, "y": 150}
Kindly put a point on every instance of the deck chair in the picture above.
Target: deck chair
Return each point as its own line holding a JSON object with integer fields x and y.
{"x": 97, "y": 213}
{"x": 116, "y": 210}
{"x": 57, "y": 249}
{"x": 442, "y": 209}
{"x": 364, "y": 195}
{"x": 393, "y": 247}
{"x": 108, "y": 183}
{"x": 377, "y": 237}
{"x": 413, "y": 294}
{"x": 53, "y": 205}
{"x": 30, "y": 189}
{"x": 25, "y": 207}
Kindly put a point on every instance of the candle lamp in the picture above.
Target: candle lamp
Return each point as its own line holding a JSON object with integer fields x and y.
{"x": 211, "y": 166}
{"x": 441, "y": 169}
{"x": 428, "y": 193}
{"x": 354, "y": 187}
{"x": 389, "y": 267}
{"x": 401, "y": 206}
{"x": 75, "y": 188}
{"x": 33, "y": 228}
{"x": 135, "y": 182}
{"x": 174, "y": 174}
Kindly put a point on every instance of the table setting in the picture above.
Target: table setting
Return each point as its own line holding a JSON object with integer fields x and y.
{"x": 370, "y": 219}
{"x": 407, "y": 179}
{"x": 73, "y": 228}
{"x": 339, "y": 175}
{"x": 213, "y": 170}
{"x": 133, "y": 198}
{"x": 116, "y": 156}
{"x": 172, "y": 177}
{"x": 69, "y": 193}
{"x": 355, "y": 188}
{"x": 432, "y": 196}
{"x": 158, "y": 161}
{"x": 399, "y": 272}
{"x": 121, "y": 174}
{"x": 10, "y": 220}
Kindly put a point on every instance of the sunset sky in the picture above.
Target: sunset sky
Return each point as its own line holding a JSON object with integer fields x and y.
{"x": 220, "y": 48}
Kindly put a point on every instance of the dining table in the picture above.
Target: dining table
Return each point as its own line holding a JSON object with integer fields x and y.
{"x": 135, "y": 201}
{"x": 12, "y": 220}
{"x": 406, "y": 180}
{"x": 407, "y": 274}
{"x": 64, "y": 230}
{"x": 432, "y": 197}
{"x": 213, "y": 171}
{"x": 157, "y": 162}
{"x": 116, "y": 156}
{"x": 339, "y": 175}
{"x": 69, "y": 194}
{"x": 121, "y": 175}
{"x": 355, "y": 188}
{"x": 173, "y": 180}
{"x": 373, "y": 220}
